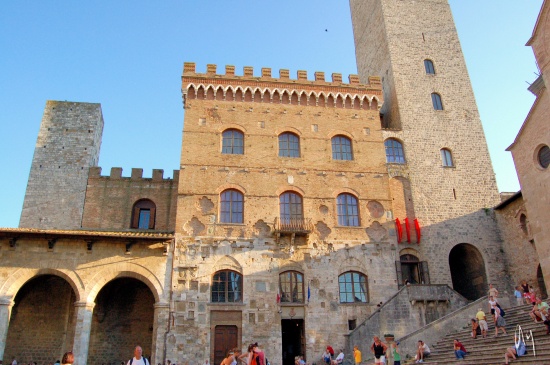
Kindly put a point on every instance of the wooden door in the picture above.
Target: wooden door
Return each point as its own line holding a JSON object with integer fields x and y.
{"x": 225, "y": 338}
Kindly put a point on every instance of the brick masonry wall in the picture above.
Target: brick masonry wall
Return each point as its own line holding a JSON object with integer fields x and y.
{"x": 68, "y": 144}
{"x": 204, "y": 245}
{"x": 110, "y": 199}
{"x": 448, "y": 202}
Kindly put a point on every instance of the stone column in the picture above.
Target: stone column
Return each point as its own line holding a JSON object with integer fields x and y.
{"x": 5, "y": 312}
{"x": 160, "y": 328}
{"x": 84, "y": 312}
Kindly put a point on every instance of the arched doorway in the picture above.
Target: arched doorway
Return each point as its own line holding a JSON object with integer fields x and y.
{"x": 123, "y": 318}
{"x": 468, "y": 271}
{"x": 42, "y": 321}
{"x": 542, "y": 284}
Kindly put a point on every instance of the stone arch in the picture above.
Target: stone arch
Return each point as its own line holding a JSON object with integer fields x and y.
{"x": 125, "y": 270}
{"x": 289, "y": 129}
{"x": 339, "y": 101}
{"x": 247, "y": 95}
{"x": 375, "y": 103}
{"x": 200, "y": 92}
{"x": 210, "y": 93}
{"x": 239, "y": 95}
{"x": 348, "y": 104}
{"x": 352, "y": 264}
{"x": 294, "y": 98}
{"x": 335, "y": 193}
{"x": 468, "y": 271}
{"x": 18, "y": 278}
{"x": 295, "y": 189}
{"x": 410, "y": 251}
{"x": 230, "y": 186}
{"x": 191, "y": 93}
{"x": 276, "y": 97}
{"x": 331, "y": 100}
{"x": 291, "y": 266}
{"x": 220, "y": 94}
{"x": 356, "y": 102}
{"x": 338, "y": 132}
{"x": 232, "y": 126}
{"x": 321, "y": 99}
{"x": 227, "y": 263}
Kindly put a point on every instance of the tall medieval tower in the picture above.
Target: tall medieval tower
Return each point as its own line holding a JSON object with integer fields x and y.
{"x": 67, "y": 146}
{"x": 433, "y": 135}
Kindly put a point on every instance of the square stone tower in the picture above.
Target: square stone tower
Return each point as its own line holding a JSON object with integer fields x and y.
{"x": 67, "y": 146}
{"x": 435, "y": 144}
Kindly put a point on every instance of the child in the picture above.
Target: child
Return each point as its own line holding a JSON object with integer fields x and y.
{"x": 475, "y": 328}
{"x": 395, "y": 353}
{"x": 356, "y": 355}
{"x": 519, "y": 295}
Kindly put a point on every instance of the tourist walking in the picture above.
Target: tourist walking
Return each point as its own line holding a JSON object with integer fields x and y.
{"x": 378, "y": 348}
{"x": 138, "y": 359}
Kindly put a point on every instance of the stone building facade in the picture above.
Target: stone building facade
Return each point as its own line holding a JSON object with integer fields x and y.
{"x": 531, "y": 148}
{"x": 298, "y": 208}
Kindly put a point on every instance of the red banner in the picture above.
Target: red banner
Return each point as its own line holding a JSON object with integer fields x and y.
{"x": 417, "y": 228}
{"x": 399, "y": 230}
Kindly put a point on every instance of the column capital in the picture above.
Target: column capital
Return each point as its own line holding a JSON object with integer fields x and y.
{"x": 84, "y": 305}
{"x": 6, "y": 302}
{"x": 161, "y": 305}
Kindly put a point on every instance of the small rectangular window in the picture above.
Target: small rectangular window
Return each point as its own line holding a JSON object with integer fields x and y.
{"x": 352, "y": 324}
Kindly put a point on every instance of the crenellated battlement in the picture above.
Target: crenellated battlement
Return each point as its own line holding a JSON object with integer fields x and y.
{"x": 281, "y": 90}
{"x": 137, "y": 174}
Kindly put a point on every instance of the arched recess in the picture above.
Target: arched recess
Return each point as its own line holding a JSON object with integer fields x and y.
{"x": 125, "y": 270}
{"x": 468, "y": 271}
{"x": 352, "y": 264}
{"x": 43, "y": 320}
{"x": 123, "y": 316}
{"x": 401, "y": 195}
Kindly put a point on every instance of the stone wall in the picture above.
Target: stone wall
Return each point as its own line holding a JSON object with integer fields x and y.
{"x": 67, "y": 146}
{"x": 85, "y": 262}
{"x": 520, "y": 251}
{"x": 448, "y": 202}
{"x": 413, "y": 307}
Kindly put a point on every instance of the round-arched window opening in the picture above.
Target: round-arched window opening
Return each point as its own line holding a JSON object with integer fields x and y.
{"x": 523, "y": 224}
{"x": 544, "y": 156}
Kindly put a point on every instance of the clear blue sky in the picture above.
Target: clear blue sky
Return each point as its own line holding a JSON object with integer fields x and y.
{"x": 128, "y": 56}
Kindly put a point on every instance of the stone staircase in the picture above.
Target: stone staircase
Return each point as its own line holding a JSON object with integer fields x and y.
{"x": 490, "y": 350}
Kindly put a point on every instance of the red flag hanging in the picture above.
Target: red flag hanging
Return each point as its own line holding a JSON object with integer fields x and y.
{"x": 408, "y": 229}
{"x": 417, "y": 228}
{"x": 399, "y": 230}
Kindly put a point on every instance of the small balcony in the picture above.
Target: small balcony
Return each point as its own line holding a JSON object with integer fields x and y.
{"x": 293, "y": 227}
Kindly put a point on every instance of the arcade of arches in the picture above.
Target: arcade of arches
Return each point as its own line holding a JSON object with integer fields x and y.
{"x": 43, "y": 321}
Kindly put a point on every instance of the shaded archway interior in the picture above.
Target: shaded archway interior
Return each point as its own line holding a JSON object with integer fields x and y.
{"x": 122, "y": 319}
{"x": 42, "y": 321}
{"x": 468, "y": 271}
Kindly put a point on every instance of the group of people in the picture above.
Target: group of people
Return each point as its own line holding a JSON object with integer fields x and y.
{"x": 67, "y": 359}
{"x": 253, "y": 356}
{"x": 328, "y": 356}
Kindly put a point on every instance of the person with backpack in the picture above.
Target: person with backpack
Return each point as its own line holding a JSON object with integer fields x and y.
{"x": 138, "y": 359}
{"x": 255, "y": 355}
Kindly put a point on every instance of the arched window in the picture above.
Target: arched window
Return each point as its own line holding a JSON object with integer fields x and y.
{"x": 291, "y": 287}
{"x": 446, "y": 157}
{"x": 348, "y": 210}
{"x": 523, "y": 224}
{"x": 143, "y": 214}
{"x": 394, "y": 151}
{"x": 429, "y": 66}
{"x": 231, "y": 206}
{"x": 341, "y": 148}
{"x": 290, "y": 207}
{"x": 544, "y": 157}
{"x": 227, "y": 287}
{"x": 353, "y": 287}
{"x": 289, "y": 145}
{"x": 232, "y": 142}
{"x": 436, "y": 101}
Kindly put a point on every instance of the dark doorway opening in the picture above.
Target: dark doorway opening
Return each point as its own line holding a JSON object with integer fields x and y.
{"x": 542, "y": 284}
{"x": 42, "y": 322}
{"x": 123, "y": 318}
{"x": 225, "y": 339}
{"x": 293, "y": 335}
{"x": 468, "y": 271}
